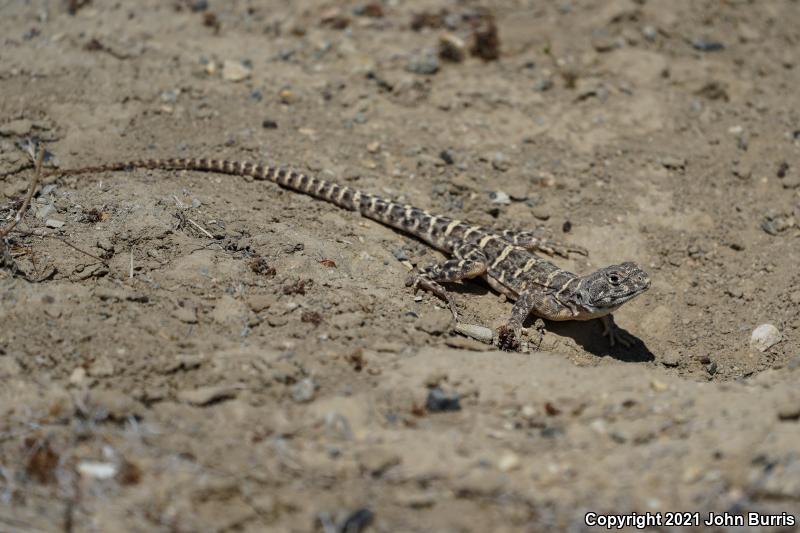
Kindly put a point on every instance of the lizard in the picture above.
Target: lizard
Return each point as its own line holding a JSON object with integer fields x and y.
{"x": 506, "y": 259}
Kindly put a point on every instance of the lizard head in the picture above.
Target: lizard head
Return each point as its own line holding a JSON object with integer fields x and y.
{"x": 603, "y": 291}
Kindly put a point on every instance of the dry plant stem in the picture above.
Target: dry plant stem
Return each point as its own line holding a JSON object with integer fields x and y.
{"x": 37, "y": 174}
{"x": 84, "y": 252}
{"x": 199, "y": 227}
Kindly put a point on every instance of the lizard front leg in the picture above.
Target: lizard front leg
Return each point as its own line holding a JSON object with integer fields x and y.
{"x": 507, "y": 336}
{"x": 614, "y": 333}
{"x": 449, "y": 271}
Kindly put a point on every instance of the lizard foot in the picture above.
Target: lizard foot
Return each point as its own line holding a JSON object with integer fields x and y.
{"x": 615, "y": 334}
{"x": 563, "y": 250}
{"x": 508, "y": 337}
{"x": 417, "y": 281}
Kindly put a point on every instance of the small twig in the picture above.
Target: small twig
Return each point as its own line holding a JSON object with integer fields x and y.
{"x": 199, "y": 227}
{"x": 131, "y": 271}
{"x": 37, "y": 174}
{"x": 84, "y": 252}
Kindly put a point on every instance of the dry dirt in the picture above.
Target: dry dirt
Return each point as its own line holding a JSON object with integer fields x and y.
{"x": 191, "y": 352}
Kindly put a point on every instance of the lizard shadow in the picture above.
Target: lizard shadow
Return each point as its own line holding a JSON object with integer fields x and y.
{"x": 589, "y": 336}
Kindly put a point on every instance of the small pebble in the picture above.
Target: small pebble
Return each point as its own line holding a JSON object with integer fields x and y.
{"x": 170, "y": 96}
{"x": 235, "y": 71}
{"x": 508, "y": 462}
{"x": 541, "y": 212}
{"x": 206, "y": 395}
{"x": 97, "y": 470}
{"x": 673, "y": 163}
{"x": 452, "y": 47}
{"x": 775, "y": 223}
{"x": 447, "y": 156}
{"x": 705, "y": 45}
{"x": 438, "y": 401}
{"x": 500, "y": 162}
{"x": 764, "y": 337}
{"x": 671, "y": 358}
{"x": 303, "y": 391}
{"x": 542, "y": 85}
{"x": 499, "y": 197}
{"x": 54, "y": 223}
{"x": 658, "y": 386}
{"x": 78, "y": 376}
{"x": 287, "y": 96}
{"x": 104, "y": 243}
{"x": 791, "y": 182}
{"x": 480, "y": 333}
{"x": 269, "y": 124}
{"x": 426, "y": 63}
{"x": 650, "y": 33}
{"x": 789, "y": 409}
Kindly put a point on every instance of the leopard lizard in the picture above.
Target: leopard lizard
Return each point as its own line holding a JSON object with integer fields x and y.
{"x": 506, "y": 259}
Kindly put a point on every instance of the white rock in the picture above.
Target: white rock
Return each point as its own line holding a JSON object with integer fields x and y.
{"x": 78, "y": 376}
{"x": 480, "y": 333}
{"x": 54, "y": 223}
{"x": 235, "y": 71}
{"x": 508, "y": 462}
{"x": 764, "y": 337}
{"x": 97, "y": 470}
{"x": 500, "y": 197}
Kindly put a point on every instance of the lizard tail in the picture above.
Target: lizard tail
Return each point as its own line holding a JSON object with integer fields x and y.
{"x": 344, "y": 197}
{"x": 432, "y": 229}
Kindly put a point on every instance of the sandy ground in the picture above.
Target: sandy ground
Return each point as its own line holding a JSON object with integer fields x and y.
{"x": 190, "y": 352}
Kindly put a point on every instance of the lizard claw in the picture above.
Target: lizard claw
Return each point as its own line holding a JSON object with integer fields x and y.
{"x": 508, "y": 336}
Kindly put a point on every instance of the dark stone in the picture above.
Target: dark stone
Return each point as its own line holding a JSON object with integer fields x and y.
{"x": 438, "y": 401}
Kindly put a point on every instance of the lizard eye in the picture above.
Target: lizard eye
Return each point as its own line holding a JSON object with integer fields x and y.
{"x": 614, "y": 278}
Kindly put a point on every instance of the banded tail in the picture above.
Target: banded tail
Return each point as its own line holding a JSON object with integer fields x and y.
{"x": 403, "y": 217}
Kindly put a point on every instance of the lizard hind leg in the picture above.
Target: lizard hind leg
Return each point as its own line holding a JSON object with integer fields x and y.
{"x": 450, "y": 271}
{"x": 534, "y": 242}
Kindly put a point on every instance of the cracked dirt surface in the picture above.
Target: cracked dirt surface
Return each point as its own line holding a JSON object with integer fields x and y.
{"x": 193, "y": 352}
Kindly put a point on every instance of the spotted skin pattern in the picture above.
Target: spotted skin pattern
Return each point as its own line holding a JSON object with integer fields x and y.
{"x": 506, "y": 259}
